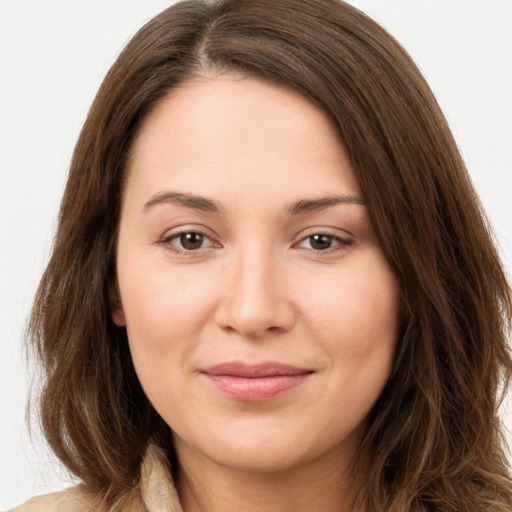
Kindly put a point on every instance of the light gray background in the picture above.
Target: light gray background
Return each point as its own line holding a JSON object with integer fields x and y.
{"x": 53, "y": 56}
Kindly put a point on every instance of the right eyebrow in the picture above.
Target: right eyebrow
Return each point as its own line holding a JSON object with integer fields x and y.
{"x": 182, "y": 199}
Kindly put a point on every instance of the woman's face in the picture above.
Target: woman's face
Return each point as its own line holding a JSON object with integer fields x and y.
{"x": 260, "y": 310}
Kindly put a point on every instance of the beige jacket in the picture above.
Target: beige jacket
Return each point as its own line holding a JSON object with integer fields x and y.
{"x": 155, "y": 493}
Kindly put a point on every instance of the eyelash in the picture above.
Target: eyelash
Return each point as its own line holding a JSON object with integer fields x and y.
{"x": 166, "y": 241}
{"x": 340, "y": 243}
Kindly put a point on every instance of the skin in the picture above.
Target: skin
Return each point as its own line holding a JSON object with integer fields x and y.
{"x": 256, "y": 288}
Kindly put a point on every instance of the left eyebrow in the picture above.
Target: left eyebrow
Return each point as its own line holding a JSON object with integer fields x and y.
{"x": 309, "y": 205}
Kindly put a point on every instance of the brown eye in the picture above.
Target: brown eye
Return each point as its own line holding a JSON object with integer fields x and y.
{"x": 321, "y": 242}
{"x": 187, "y": 242}
{"x": 191, "y": 241}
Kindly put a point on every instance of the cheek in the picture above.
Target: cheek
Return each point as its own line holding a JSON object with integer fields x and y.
{"x": 163, "y": 310}
{"x": 164, "y": 318}
{"x": 358, "y": 329}
{"x": 356, "y": 313}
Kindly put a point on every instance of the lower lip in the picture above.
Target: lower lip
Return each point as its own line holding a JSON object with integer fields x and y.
{"x": 256, "y": 389}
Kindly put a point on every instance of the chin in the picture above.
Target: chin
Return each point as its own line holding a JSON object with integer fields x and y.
{"x": 261, "y": 449}
{"x": 270, "y": 459}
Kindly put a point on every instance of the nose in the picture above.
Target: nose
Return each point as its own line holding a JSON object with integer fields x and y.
{"x": 256, "y": 301}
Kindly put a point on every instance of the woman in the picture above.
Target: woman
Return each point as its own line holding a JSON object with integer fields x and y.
{"x": 272, "y": 285}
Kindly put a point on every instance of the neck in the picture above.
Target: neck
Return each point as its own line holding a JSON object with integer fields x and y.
{"x": 207, "y": 487}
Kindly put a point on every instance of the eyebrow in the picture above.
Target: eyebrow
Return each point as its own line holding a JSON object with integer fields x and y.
{"x": 187, "y": 200}
{"x": 210, "y": 206}
{"x": 310, "y": 205}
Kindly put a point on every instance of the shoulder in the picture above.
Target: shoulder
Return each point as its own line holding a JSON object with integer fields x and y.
{"x": 155, "y": 491}
{"x": 70, "y": 500}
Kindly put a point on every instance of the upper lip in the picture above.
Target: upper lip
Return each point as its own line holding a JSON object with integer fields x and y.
{"x": 254, "y": 371}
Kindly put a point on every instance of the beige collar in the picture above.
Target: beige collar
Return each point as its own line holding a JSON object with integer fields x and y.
{"x": 157, "y": 488}
{"x": 154, "y": 493}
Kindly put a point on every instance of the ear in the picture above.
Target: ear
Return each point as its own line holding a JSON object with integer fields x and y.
{"x": 116, "y": 311}
{"x": 117, "y": 314}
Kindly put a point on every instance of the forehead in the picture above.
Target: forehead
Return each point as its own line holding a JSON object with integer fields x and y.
{"x": 238, "y": 134}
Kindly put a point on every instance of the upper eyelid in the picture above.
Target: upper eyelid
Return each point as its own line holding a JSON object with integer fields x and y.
{"x": 179, "y": 230}
{"x": 335, "y": 232}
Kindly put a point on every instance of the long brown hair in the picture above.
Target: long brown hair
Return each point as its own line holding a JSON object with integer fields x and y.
{"x": 434, "y": 433}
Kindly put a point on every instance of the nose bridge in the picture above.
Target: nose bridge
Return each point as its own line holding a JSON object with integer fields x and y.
{"x": 255, "y": 277}
{"x": 255, "y": 300}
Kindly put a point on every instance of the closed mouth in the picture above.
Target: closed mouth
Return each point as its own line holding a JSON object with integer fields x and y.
{"x": 255, "y": 383}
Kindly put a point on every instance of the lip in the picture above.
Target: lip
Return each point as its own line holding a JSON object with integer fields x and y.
{"x": 255, "y": 383}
